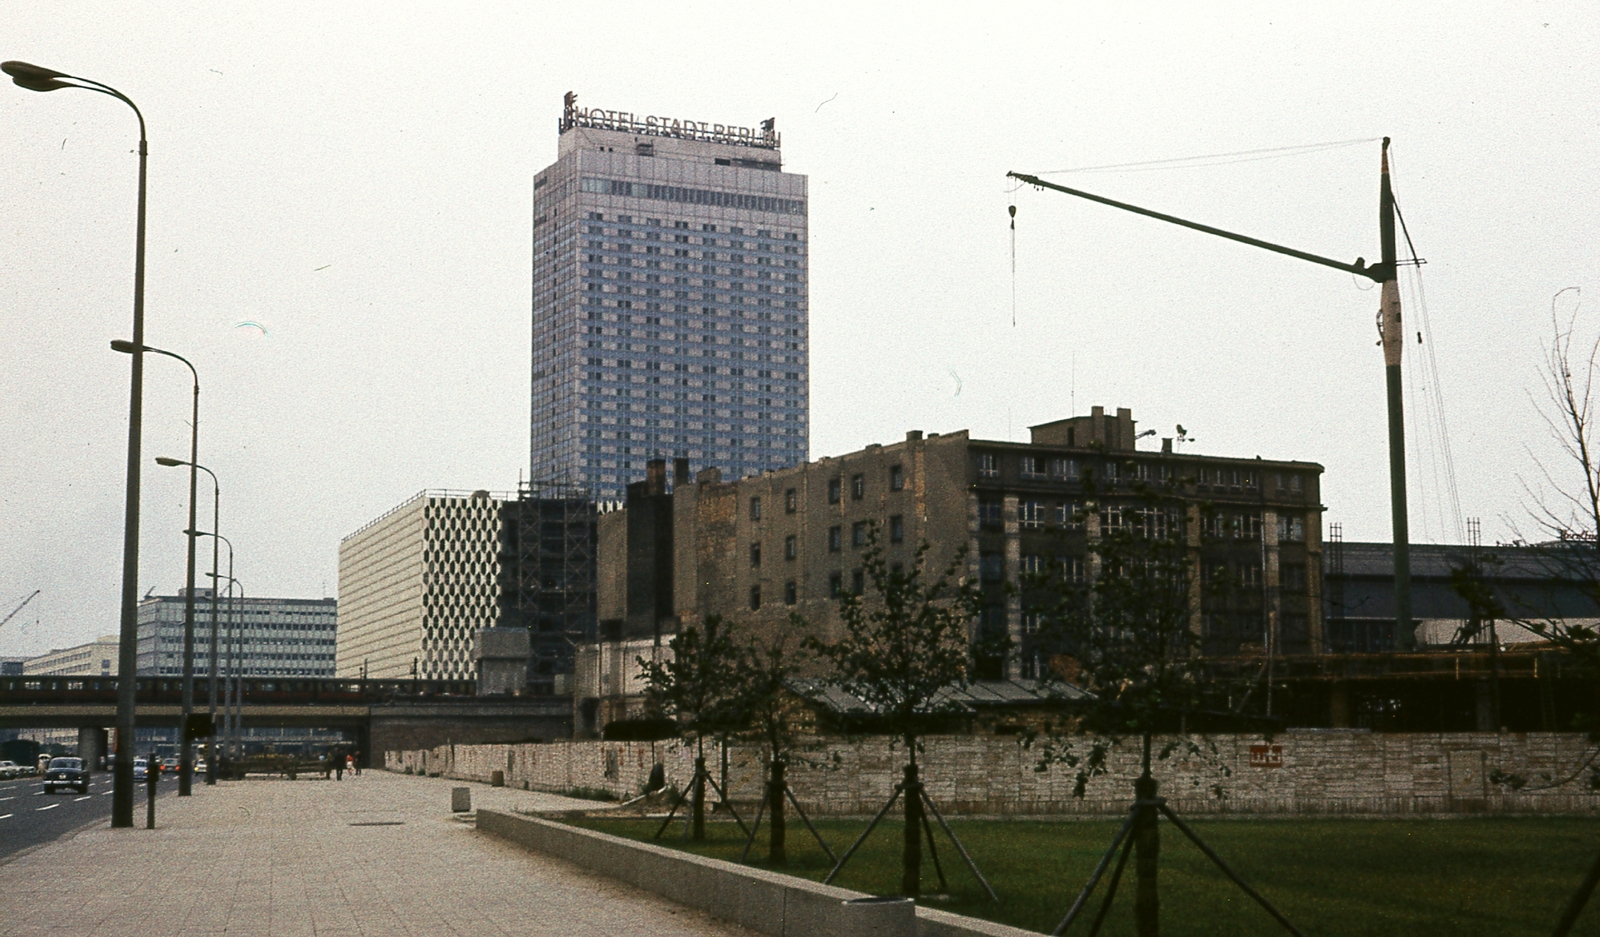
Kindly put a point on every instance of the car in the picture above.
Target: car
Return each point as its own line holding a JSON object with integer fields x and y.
{"x": 66, "y": 772}
{"x": 140, "y": 768}
{"x": 199, "y": 766}
{"x": 9, "y": 770}
{"x": 170, "y": 765}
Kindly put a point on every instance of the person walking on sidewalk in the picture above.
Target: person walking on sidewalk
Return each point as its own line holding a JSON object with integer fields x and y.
{"x": 338, "y": 767}
{"x": 355, "y": 764}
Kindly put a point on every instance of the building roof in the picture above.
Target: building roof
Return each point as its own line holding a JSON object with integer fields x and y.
{"x": 979, "y": 694}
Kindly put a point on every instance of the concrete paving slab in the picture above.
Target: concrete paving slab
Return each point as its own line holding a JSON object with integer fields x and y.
{"x": 379, "y": 854}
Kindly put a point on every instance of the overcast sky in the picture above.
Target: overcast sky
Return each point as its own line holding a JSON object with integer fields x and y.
{"x": 357, "y": 180}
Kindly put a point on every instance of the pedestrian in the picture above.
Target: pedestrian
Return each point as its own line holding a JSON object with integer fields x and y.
{"x": 355, "y": 763}
{"x": 338, "y": 767}
{"x": 326, "y": 767}
{"x": 350, "y": 764}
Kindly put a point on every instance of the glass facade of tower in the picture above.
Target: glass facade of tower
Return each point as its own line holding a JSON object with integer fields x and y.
{"x": 669, "y": 302}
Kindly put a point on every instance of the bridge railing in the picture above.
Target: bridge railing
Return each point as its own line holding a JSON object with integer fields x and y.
{"x": 24, "y": 690}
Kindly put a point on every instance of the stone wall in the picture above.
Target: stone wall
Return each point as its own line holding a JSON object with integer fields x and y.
{"x": 1307, "y": 773}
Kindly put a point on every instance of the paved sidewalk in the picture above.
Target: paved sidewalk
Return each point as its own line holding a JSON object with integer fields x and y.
{"x": 378, "y": 854}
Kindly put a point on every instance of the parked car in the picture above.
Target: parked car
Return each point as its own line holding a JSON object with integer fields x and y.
{"x": 9, "y": 770}
{"x": 66, "y": 772}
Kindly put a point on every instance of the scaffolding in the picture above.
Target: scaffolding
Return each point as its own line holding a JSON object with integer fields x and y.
{"x": 547, "y": 568}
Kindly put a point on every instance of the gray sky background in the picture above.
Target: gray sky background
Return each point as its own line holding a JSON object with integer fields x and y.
{"x": 357, "y": 179}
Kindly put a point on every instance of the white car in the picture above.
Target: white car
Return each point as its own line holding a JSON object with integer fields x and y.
{"x": 9, "y": 770}
{"x": 141, "y": 767}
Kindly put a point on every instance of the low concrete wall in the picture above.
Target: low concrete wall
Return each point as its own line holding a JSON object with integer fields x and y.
{"x": 1324, "y": 773}
{"x": 766, "y": 902}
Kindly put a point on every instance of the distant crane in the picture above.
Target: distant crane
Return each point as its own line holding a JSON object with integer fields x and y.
{"x": 18, "y": 608}
{"x": 1392, "y": 340}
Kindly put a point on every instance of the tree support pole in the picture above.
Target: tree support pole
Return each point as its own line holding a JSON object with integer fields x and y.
{"x": 864, "y": 834}
{"x": 807, "y": 821}
{"x": 960, "y": 849}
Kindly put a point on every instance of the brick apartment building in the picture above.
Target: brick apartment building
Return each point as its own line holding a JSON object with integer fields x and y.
{"x": 791, "y": 541}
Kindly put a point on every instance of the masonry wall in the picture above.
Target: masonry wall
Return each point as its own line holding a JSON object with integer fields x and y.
{"x": 1304, "y": 773}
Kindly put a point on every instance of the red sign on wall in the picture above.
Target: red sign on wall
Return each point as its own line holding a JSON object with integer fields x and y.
{"x": 1266, "y": 756}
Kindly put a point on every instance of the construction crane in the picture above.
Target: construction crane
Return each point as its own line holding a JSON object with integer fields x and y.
{"x": 18, "y": 608}
{"x": 1383, "y": 273}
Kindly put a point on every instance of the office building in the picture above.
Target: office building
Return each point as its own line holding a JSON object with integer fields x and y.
{"x": 417, "y": 583}
{"x": 669, "y": 301}
{"x": 262, "y": 637}
{"x": 98, "y": 658}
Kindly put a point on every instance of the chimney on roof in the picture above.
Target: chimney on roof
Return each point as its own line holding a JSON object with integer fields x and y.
{"x": 655, "y": 476}
{"x": 680, "y": 472}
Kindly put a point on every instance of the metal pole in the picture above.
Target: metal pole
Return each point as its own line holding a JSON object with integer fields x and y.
{"x": 1393, "y": 341}
{"x": 128, "y": 637}
{"x": 211, "y": 740}
{"x": 35, "y": 78}
{"x": 241, "y": 667}
{"x": 186, "y": 757}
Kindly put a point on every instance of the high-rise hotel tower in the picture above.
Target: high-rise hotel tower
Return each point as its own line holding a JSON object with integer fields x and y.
{"x": 669, "y": 301}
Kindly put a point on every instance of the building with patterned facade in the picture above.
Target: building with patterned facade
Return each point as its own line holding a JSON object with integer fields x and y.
{"x": 669, "y": 301}
{"x": 270, "y": 637}
{"x": 757, "y": 549}
{"x": 417, "y": 583}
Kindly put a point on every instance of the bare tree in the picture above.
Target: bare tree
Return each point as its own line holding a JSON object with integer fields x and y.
{"x": 1564, "y": 502}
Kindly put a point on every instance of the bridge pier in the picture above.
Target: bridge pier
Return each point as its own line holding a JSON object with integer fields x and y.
{"x": 91, "y": 746}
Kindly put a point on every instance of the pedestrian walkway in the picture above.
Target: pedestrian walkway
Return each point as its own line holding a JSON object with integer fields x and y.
{"x": 369, "y": 855}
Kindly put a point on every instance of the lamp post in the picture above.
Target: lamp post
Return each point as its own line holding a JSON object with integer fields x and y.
{"x": 233, "y": 704}
{"x": 186, "y": 752}
{"x": 35, "y": 78}
{"x": 216, "y": 584}
{"x": 216, "y": 498}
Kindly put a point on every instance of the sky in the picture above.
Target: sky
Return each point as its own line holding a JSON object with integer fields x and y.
{"x": 339, "y": 238}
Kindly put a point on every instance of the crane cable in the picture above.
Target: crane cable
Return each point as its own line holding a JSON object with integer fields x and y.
{"x": 1426, "y": 385}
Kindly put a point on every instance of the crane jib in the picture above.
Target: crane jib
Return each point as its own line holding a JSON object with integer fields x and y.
{"x": 1376, "y": 272}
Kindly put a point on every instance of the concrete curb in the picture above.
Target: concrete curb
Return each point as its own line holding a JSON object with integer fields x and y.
{"x": 763, "y": 901}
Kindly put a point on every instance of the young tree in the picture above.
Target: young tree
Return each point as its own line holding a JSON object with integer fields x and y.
{"x": 906, "y": 644}
{"x": 695, "y": 686}
{"x": 1125, "y": 635}
{"x": 767, "y": 709}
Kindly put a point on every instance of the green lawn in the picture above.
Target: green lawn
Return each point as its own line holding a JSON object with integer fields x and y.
{"x": 1494, "y": 877}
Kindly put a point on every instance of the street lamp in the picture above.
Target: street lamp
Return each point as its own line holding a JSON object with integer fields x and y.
{"x": 216, "y": 580}
{"x": 233, "y": 711}
{"x": 185, "y": 755}
{"x": 35, "y": 78}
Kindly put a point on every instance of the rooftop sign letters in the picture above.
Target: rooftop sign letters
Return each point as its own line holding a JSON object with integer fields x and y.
{"x": 767, "y": 137}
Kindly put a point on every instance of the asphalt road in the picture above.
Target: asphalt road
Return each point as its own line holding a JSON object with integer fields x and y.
{"x": 29, "y": 816}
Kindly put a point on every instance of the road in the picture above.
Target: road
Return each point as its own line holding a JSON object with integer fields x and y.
{"x": 29, "y": 816}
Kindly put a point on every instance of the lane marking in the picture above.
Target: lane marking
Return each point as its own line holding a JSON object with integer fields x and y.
{"x": 106, "y": 793}
{"x": 7, "y": 816}
{"x": 7, "y": 798}
{"x": 48, "y": 807}
{"x": 78, "y": 799}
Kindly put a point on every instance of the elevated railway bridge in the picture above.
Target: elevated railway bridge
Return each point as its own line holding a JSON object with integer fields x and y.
{"x": 378, "y": 714}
